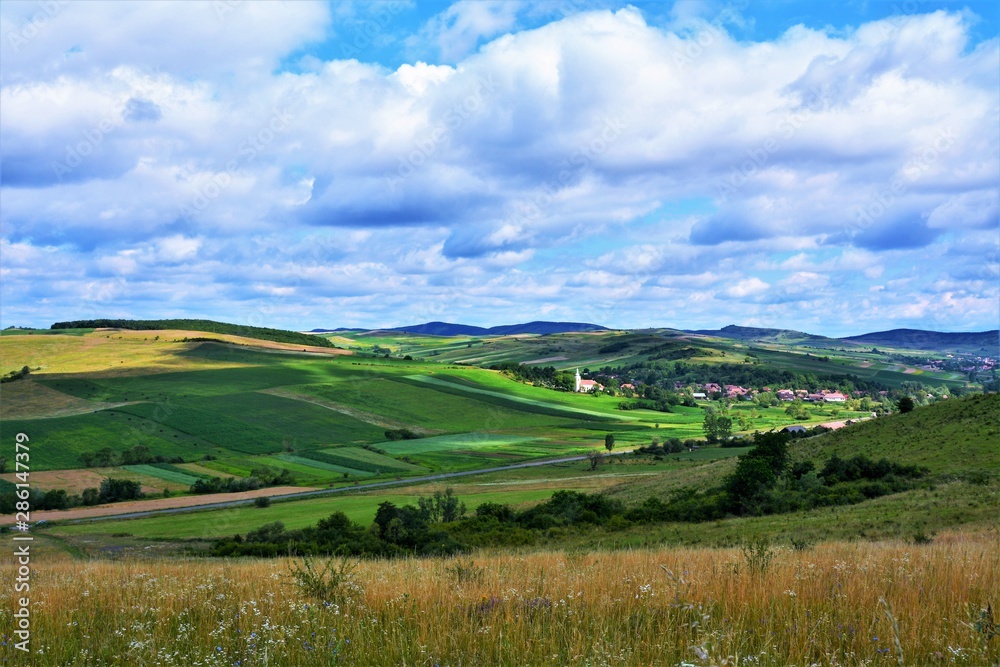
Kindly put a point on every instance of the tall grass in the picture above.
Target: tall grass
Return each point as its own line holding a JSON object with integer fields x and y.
{"x": 836, "y": 604}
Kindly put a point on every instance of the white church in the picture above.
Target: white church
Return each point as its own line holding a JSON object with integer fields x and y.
{"x": 586, "y": 386}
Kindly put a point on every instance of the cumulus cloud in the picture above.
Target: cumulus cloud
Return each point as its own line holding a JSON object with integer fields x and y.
{"x": 510, "y": 163}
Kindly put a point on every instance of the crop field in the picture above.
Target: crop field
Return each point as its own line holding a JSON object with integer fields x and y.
{"x": 201, "y": 471}
{"x": 310, "y": 465}
{"x": 68, "y": 437}
{"x": 74, "y": 481}
{"x": 168, "y": 474}
{"x": 442, "y": 383}
{"x": 28, "y": 399}
{"x": 362, "y": 459}
{"x": 639, "y": 607}
{"x": 421, "y": 406}
{"x": 106, "y": 353}
{"x": 462, "y": 442}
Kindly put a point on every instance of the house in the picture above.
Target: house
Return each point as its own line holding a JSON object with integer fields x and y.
{"x": 833, "y": 426}
{"x": 586, "y": 386}
{"x": 699, "y": 396}
{"x": 834, "y": 397}
{"x": 735, "y": 391}
{"x": 794, "y": 429}
{"x": 814, "y": 398}
{"x": 628, "y": 385}
{"x": 786, "y": 395}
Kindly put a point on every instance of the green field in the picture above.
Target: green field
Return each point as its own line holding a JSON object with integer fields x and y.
{"x": 168, "y": 474}
{"x": 451, "y": 385}
{"x": 299, "y": 514}
{"x": 418, "y": 406}
{"x": 362, "y": 459}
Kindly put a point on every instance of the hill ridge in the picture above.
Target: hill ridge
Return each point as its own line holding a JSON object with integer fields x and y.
{"x": 208, "y": 326}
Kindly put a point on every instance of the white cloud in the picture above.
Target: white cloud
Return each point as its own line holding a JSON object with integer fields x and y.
{"x": 815, "y": 161}
{"x": 456, "y": 31}
{"x": 746, "y": 287}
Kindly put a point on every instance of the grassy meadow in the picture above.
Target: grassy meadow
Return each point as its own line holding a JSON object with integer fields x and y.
{"x": 873, "y": 603}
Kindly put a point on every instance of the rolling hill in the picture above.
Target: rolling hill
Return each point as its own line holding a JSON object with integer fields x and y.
{"x": 786, "y": 336}
{"x": 208, "y": 326}
{"x": 917, "y": 339}
{"x": 538, "y": 327}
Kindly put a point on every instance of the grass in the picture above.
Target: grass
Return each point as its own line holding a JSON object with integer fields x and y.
{"x": 825, "y": 605}
{"x": 97, "y": 352}
{"x": 948, "y": 437}
{"x": 322, "y": 465}
{"x": 169, "y": 475}
{"x": 27, "y": 399}
{"x": 362, "y": 459}
{"x": 462, "y": 442}
{"x": 210, "y": 524}
{"x": 421, "y": 406}
{"x": 547, "y": 407}
{"x": 67, "y": 437}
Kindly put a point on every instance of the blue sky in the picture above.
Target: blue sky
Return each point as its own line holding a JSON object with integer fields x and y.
{"x": 828, "y": 167}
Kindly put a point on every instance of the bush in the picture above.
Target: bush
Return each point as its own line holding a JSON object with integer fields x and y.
{"x": 114, "y": 490}
{"x": 401, "y": 434}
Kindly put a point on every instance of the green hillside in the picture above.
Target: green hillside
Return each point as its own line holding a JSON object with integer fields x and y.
{"x": 950, "y": 437}
{"x": 208, "y": 326}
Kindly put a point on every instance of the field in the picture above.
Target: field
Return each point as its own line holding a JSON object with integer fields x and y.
{"x": 575, "y": 350}
{"x": 883, "y": 603}
{"x": 898, "y": 579}
{"x": 111, "y": 353}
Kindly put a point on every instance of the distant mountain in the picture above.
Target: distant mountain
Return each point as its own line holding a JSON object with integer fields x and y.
{"x": 917, "y": 339}
{"x": 754, "y": 333}
{"x": 543, "y": 328}
{"x": 449, "y": 329}
{"x": 441, "y": 329}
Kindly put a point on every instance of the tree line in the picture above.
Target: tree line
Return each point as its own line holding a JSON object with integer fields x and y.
{"x": 765, "y": 481}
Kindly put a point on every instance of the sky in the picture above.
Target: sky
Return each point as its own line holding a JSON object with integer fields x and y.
{"x": 826, "y": 167}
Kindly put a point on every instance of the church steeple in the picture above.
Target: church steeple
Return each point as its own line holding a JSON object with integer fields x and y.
{"x": 576, "y": 387}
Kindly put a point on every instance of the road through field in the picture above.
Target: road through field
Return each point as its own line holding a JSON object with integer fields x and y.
{"x": 77, "y": 515}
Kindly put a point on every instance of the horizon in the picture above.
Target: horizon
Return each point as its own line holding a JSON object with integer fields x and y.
{"x": 605, "y": 327}
{"x": 836, "y": 167}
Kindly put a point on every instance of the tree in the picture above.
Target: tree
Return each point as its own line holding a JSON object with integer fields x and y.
{"x": 113, "y": 490}
{"x": 609, "y": 441}
{"x": 751, "y": 479}
{"x": 773, "y": 448}
{"x": 595, "y": 459}
{"x": 442, "y": 507}
{"x": 104, "y": 457}
{"x": 717, "y": 427}
{"x": 905, "y": 404}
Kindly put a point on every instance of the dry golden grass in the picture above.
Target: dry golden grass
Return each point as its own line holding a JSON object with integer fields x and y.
{"x": 826, "y": 606}
{"x": 110, "y": 352}
{"x": 74, "y": 481}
